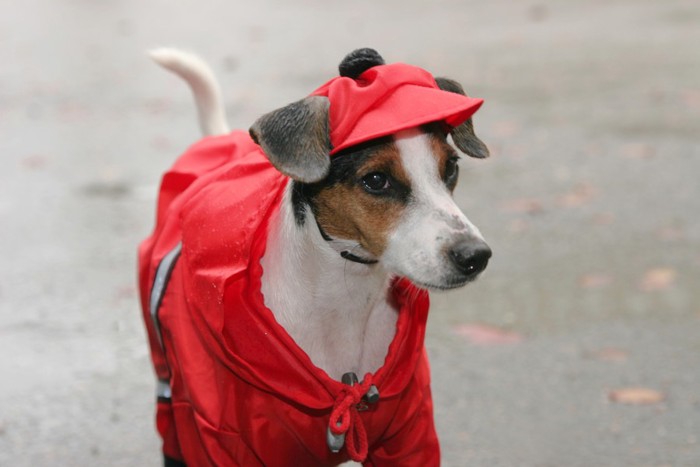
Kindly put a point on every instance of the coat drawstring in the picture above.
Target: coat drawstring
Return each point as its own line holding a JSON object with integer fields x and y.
{"x": 345, "y": 422}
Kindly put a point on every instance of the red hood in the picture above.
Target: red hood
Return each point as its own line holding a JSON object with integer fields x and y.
{"x": 232, "y": 380}
{"x": 221, "y": 216}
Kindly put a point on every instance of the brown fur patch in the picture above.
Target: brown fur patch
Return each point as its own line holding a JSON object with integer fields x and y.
{"x": 443, "y": 152}
{"x": 345, "y": 210}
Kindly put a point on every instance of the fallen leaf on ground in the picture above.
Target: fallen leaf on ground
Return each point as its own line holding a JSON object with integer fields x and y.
{"x": 125, "y": 292}
{"x": 519, "y": 226}
{"x": 538, "y": 12}
{"x": 73, "y": 110}
{"x": 636, "y": 396}
{"x": 35, "y": 162}
{"x": 505, "y": 128}
{"x": 158, "y": 106}
{"x": 524, "y": 205}
{"x": 691, "y": 98}
{"x": 638, "y": 151}
{"x": 580, "y": 195}
{"x": 670, "y": 233}
{"x": 608, "y": 354}
{"x": 657, "y": 279}
{"x": 484, "y": 334}
{"x": 161, "y": 143}
{"x": 595, "y": 281}
{"x": 604, "y": 218}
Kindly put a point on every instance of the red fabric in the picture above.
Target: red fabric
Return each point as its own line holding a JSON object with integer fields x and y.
{"x": 345, "y": 418}
{"x": 243, "y": 392}
{"x": 389, "y": 98}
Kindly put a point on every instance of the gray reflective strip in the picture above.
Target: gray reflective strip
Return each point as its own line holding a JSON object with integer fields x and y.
{"x": 159, "y": 283}
{"x": 163, "y": 389}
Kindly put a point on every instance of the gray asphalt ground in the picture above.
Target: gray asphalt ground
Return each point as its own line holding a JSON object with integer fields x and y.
{"x": 590, "y": 202}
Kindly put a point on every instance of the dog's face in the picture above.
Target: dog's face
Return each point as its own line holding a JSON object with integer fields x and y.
{"x": 388, "y": 200}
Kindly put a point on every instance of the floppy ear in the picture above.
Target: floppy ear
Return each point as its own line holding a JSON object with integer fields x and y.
{"x": 463, "y": 135}
{"x": 296, "y": 138}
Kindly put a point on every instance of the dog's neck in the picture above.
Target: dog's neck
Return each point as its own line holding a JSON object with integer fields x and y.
{"x": 337, "y": 311}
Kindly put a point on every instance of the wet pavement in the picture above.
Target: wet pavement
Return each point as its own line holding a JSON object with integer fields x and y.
{"x": 579, "y": 346}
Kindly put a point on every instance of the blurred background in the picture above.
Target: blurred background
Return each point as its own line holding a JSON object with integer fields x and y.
{"x": 579, "y": 346}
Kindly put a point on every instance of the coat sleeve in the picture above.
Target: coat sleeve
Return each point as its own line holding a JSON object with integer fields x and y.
{"x": 411, "y": 439}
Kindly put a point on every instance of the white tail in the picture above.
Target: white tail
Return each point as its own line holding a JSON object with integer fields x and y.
{"x": 201, "y": 80}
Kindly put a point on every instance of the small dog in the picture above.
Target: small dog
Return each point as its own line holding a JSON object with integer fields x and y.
{"x": 288, "y": 260}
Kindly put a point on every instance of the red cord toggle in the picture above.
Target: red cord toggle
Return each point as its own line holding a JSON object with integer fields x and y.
{"x": 345, "y": 419}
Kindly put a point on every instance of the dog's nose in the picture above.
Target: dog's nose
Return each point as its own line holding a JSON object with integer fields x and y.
{"x": 470, "y": 256}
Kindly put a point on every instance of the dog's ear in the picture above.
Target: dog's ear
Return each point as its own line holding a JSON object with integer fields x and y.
{"x": 296, "y": 138}
{"x": 463, "y": 135}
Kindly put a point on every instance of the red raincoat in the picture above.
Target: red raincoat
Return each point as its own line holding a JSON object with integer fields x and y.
{"x": 236, "y": 389}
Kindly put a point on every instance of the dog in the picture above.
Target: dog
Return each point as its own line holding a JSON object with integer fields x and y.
{"x": 290, "y": 259}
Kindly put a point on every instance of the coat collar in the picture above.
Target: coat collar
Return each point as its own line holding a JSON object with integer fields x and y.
{"x": 222, "y": 277}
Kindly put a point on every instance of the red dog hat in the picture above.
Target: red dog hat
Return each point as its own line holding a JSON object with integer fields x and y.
{"x": 371, "y": 99}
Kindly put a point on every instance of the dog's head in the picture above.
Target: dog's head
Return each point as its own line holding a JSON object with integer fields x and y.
{"x": 387, "y": 199}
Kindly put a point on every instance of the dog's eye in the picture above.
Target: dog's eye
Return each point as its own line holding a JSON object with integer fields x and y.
{"x": 451, "y": 171}
{"x": 375, "y": 182}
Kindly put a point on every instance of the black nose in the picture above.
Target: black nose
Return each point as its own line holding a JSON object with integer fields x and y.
{"x": 470, "y": 257}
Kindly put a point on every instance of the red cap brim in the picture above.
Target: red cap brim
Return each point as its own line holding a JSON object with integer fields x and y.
{"x": 386, "y": 99}
{"x": 408, "y": 107}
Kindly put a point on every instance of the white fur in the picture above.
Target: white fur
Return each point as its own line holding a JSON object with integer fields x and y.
{"x": 337, "y": 311}
{"x": 204, "y": 85}
{"x": 431, "y": 221}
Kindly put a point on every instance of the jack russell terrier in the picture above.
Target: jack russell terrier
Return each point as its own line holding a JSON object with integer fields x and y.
{"x": 290, "y": 259}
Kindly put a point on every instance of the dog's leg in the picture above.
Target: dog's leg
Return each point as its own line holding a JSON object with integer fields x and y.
{"x": 170, "y": 462}
{"x": 201, "y": 80}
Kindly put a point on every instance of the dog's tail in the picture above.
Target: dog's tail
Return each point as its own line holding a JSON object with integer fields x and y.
{"x": 201, "y": 80}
